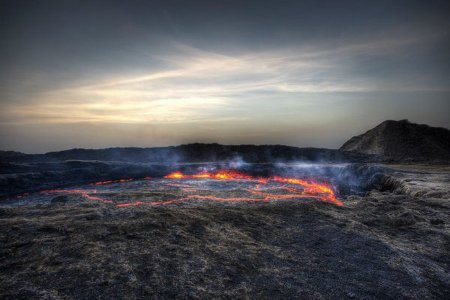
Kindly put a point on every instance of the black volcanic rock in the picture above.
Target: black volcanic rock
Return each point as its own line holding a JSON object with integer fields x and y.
{"x": 196, "y": 152}
{"x": 403, "y": 141}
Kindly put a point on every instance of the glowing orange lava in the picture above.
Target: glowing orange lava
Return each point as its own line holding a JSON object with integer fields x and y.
{"x": 260, "y": 189}
{"x": 222, "y": 175}
{"x": 311, "y": 189}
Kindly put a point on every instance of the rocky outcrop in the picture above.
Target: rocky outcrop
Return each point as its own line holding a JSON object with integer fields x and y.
{"x": 403, "y": 141}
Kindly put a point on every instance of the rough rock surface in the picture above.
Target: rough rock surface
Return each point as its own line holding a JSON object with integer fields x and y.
{"x": 391, "y": 243}
{"x": 403, "y": 141}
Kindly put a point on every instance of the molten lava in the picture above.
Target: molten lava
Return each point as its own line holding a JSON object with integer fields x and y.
{"x": 258, "y": 189}
{"x": 221, "y": 175}
{"x": 310, "y": 189}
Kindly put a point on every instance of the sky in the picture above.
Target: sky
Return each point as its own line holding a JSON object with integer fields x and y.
{"x": 95, "y": 74}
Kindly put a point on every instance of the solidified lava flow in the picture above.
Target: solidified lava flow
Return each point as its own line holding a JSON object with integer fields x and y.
{"x": 195, "y": 187}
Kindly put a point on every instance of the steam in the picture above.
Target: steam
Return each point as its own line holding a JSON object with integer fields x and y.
{"x": 81, "y": 166}
{"x": 346, "y": 178}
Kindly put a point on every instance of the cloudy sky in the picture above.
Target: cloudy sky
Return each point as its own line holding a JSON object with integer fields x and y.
{"x": 154, "y": 73}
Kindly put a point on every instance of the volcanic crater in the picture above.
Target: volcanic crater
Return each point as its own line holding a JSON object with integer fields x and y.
{"x": 225, "y": 186}
{"x": 78, "y": 227}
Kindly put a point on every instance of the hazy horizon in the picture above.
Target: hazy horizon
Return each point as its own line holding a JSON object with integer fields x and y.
{"x": 98, "y": 74}
{"x": 190, "y": 142}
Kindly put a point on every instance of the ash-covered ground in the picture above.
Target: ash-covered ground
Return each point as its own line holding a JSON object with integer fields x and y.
{"x": 390, "y": 239}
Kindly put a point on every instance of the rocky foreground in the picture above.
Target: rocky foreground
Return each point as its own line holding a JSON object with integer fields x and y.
{"x": 390, "y": 243}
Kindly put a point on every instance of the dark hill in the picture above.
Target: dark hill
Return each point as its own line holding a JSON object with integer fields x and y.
{"x": 403, "y": 141}
{"x": 193, "y": 153}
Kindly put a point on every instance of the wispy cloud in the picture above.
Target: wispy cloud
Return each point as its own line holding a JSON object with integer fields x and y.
{"x": 198, "y": 85}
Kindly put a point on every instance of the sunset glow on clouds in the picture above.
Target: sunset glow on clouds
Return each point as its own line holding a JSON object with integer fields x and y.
{"x": 199, "y": 85}
{"x": 285, "y": 93}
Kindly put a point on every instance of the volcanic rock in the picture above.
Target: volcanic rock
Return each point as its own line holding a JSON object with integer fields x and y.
{"x": 403, "y": 141}
{"x": 59, "y": 200}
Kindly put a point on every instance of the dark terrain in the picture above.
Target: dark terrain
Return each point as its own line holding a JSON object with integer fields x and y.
{"x": 403, "y": 141}
{"x": 390, "y": 239}
{"x": 21, "y": 172}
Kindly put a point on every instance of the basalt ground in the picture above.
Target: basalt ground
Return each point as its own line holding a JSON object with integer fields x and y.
{"x": 390, "y": 240}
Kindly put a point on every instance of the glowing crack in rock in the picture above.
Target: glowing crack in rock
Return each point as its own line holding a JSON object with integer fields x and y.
{"x": 118, "y": 181}
{"x": 259, "y": 189}
{"x": 112, "y": 181}
{"x": 85, "y": 193}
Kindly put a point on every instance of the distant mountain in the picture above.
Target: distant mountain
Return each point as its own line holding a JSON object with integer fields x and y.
{"x": 390, "y": 141}
{"x": 403, "y": 141}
